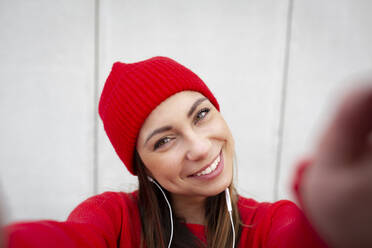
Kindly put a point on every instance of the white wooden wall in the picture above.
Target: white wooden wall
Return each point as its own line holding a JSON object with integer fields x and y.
{"x": 276, "y": 68}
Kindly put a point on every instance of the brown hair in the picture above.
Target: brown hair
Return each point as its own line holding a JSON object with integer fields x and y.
{"x": 155, "y": 217}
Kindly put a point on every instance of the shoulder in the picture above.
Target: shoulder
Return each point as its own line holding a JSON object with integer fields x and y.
{"x": 108, "y": 203}
{"x": 112, "y": 212}
{"x": 110, "y": 197}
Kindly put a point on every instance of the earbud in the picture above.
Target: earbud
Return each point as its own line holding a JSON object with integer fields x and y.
{"x": 229, "y": 209}
{"x": 150, "y": 179}
{"x": 228, "y": 200}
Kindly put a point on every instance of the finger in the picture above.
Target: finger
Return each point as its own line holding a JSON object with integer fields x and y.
{"x": 349, "y": 132}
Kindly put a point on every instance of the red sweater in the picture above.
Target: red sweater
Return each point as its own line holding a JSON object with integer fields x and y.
{"x": 112, "y": 220}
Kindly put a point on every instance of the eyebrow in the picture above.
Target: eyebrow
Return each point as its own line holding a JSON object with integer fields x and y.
{"x": 167, "y": 128}
{"x": 196, "y": 104}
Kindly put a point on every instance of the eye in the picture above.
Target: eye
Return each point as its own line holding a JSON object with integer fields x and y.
{"x": 201, "y": 114}
{"x": 161, "y": 142}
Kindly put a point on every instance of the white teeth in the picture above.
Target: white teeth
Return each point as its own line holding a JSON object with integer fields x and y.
{"x": 211, "y": 168}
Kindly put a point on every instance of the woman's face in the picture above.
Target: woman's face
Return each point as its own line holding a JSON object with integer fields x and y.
{"x": 186, "y": 146}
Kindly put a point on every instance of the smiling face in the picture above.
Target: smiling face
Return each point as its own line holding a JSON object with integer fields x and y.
{"x": 187, "y": 146}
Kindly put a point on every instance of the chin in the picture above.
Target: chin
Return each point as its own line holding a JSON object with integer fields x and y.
{"x": 217, "y": 189}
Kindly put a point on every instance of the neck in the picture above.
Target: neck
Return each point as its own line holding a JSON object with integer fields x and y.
{"x": 192, "y": 209}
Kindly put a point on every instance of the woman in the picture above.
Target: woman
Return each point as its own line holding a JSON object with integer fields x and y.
{"x": 165, "y": 125}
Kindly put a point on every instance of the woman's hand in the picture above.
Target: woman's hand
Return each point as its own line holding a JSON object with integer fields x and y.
{"x": 337, "y": 188}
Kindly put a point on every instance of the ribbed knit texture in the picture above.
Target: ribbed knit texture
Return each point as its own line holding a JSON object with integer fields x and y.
{"x": 112, "y": 219}
{"x": 133, "y": 90}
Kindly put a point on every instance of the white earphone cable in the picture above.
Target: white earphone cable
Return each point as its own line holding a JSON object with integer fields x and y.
{"x": 170, "y": 210}
{"x": 228, "y": 203}
{"x": 229, "y": 209}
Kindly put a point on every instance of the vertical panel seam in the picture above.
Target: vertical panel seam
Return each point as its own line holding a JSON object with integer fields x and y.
{"x": 95, "y": 100}
{"x": 286, "y": 61}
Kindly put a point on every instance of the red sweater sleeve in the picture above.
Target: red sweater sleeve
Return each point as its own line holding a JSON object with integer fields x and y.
{"x": 278, "y": 225}
{"x": 97, "y": 222}
{"x": 290, "y": 228}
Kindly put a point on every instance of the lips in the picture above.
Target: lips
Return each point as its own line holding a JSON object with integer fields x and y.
{"x": 208, "y": 168}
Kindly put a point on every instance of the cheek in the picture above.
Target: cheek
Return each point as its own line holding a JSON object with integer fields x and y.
{"x": 163, "y": 166}
{"x": 220, "y": 129}
{"x": 224, "y": 134}
{"x": 227, "y": 132}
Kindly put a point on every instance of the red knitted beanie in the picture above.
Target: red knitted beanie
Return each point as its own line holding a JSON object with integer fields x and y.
{"x": 133, "y": 90}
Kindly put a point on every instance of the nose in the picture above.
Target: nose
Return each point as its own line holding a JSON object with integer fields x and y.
{"x": 198, "y": 147}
